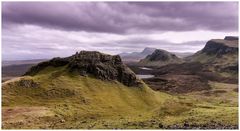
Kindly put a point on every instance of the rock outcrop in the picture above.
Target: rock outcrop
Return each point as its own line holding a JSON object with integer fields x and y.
{"x": 231, "y": 38}
{"x": 28, "y": 83}
{"x": 217, "y": 47}
{"x": 99, "y": 65}
{"x": 159, "y": 58}
{"x": 220, "y": 47}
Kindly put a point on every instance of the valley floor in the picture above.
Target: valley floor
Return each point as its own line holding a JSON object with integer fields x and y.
{"x": 63, "y": 101}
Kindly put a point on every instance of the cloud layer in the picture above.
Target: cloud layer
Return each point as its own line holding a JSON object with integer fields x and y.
{"x": 131, "y": 17}
{"x": 34, "y": 30}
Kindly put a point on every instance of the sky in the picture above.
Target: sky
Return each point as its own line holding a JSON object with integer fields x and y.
{"x": 39, "y": 30}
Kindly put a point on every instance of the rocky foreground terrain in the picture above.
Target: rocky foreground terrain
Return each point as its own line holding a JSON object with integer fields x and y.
{"x": 92, "y": 90}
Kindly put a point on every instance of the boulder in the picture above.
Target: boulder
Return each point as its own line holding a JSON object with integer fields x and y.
{"x": 27, "y": 83}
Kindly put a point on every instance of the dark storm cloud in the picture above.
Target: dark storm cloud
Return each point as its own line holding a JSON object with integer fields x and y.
{"x": 35, "y": 30}
{"x": 123, "y": 17}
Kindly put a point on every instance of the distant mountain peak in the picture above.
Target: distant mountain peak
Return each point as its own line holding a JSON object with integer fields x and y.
{"x": 148, "y": 49}
{"x": 136, "y": 56}
{"x": 161, "y": 55}
{"x": 159, "y": 58}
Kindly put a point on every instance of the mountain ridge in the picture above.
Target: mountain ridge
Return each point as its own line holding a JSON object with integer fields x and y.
{"x": 159, "y": 58}
{"x": 86, "y": 91}
{"x": 136, "y": 56}
{"x": 220, "y": 55}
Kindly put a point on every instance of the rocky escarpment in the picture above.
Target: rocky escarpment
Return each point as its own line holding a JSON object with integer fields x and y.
{"x": 101, "y": 66}
{"x": 220, "y": 47}
{"x": 159, "y": 58}
{"x": 231, "y": 38}
{"x": 219, "y": 55}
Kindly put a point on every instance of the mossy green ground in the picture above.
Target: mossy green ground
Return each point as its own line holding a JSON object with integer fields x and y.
{"x": 64, "y": 101}
{"x": 224, "y": 61}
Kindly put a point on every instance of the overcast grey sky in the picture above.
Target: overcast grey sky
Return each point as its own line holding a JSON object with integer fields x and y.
{"x": 34, "y": 30}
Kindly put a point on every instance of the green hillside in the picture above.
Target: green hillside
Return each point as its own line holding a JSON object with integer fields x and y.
{"x": 57, "y": 99}
{"x": 220, "y": 55}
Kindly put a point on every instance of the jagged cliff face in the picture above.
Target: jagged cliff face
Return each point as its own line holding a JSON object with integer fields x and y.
{"x": 101, "y": 66}
{"x": 159, "y": 58}
{"x": 231, "y": 38}
{"x": 220, "y": 47}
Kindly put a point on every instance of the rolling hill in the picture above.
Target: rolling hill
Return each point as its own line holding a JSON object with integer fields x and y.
{"x": 159, "y": 58}
{"x": 77, "y": 89}
{"x": 91, "y": 90}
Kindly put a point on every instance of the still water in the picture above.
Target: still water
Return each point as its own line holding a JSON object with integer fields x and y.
{"x": 145, "y": 76}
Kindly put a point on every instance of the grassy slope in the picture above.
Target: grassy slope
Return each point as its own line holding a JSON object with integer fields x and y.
{"x": 220, "y": 104}
{"x": 66, "y": 100}
{"x": 225, "y": 61}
